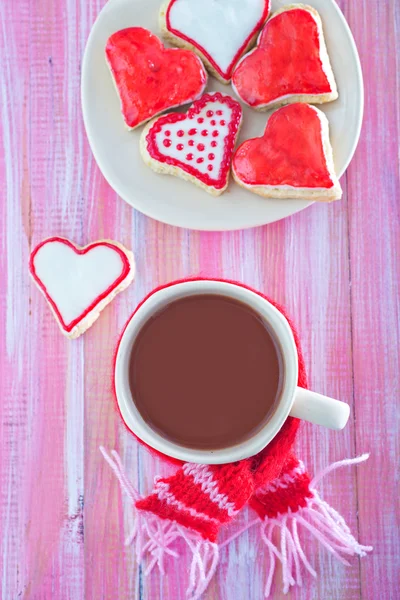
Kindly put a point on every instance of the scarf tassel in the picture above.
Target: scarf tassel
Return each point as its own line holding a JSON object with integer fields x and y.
{"x": 153, "y": 537}
{"x": 281, "y": 536}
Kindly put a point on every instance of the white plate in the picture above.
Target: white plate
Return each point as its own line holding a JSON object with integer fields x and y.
{"x": 178, "y": 202}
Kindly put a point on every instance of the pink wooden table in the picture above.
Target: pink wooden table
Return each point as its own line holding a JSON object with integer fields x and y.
{"x": 335, "y": 267}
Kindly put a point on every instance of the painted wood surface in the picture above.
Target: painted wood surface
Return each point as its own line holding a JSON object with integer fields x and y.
{"x": 335, "y": 267}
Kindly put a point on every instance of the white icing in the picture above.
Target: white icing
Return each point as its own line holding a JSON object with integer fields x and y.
{"x": 73, "y": 281}
{"x": 198, "y": 139}
{"x": 221, "y": 27}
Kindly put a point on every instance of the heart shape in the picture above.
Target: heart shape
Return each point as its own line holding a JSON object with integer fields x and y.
{"x": 150, "y": 78}
{"x": 293, "y": 159}
{"x": 289, "y": 64}
{"x": 79, "y": 282}
{"x": 197, "y": 145}
{"x": 221, "y": 31}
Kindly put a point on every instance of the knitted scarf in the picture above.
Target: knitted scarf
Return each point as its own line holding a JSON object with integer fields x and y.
{"x": 198, "y": 500}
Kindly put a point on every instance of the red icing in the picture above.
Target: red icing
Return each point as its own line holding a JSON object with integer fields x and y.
{"x": 150, "y": 78}
{"x": 219, "y": 180}
{"x": 126, "y": 267}
{"x": 286, "y": 61}
{"x": 289, "y": 153}
{"x": 228, "y": 73}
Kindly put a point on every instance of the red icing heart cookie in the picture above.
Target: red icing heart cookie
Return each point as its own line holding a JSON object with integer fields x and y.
{"x": 293, "y": 159}
{"x": 150, "y": 78}
{"x": 79, "y": 282}
{"x": 196, "y": 146}
{"x": 289, "y": 64}
{"x": 220, "y": 32}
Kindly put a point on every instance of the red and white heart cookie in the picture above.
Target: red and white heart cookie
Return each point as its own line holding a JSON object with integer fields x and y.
{"x": 150, "y": 78}
{"x": 293, "y": 159}
{"x": 289, "y": 64}
{"x": 219, "y": 32}
{"x": 196, "y": 146}
{"x": 79, "y": 282}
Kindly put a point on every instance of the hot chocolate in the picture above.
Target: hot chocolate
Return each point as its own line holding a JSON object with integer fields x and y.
{"x": 205, "y": 372}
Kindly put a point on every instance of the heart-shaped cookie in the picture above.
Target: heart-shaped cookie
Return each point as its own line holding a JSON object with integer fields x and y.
{"x": 289, "y": 64}
{"x": 219, "y": 31}
{"x": 150, "y": 78}
{"x": 79, "y": 282}
{"x": 293, "y": 159}
{"x": 196, "y": 146}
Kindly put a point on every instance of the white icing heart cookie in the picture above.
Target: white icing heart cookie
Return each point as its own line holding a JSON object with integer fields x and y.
{"x": 196, "y": 146}
{"x": 219, "y": 31}
{"x": 79, "y": 282}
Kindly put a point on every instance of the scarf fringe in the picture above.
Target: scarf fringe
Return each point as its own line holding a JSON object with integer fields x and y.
{"x": 153, "y": 537}
{"x": 325, "y": 525}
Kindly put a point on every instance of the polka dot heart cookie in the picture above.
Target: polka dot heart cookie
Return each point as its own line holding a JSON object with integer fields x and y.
{"x": 196, "y": 146}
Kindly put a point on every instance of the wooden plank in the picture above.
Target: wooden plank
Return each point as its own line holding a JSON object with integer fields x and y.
{"x": 55, "y": 507}
{"x": 374, "y": 228}
{"x": 15, "y": 408}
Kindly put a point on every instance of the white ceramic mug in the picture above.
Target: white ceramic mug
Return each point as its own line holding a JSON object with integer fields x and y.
{"x": 294, "y": 401}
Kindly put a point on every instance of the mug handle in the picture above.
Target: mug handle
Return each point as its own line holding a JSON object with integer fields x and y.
{"x": 319, "y": 409}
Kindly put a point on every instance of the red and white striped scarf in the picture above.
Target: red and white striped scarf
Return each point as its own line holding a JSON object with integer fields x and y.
{"x": 198, "y": 500}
